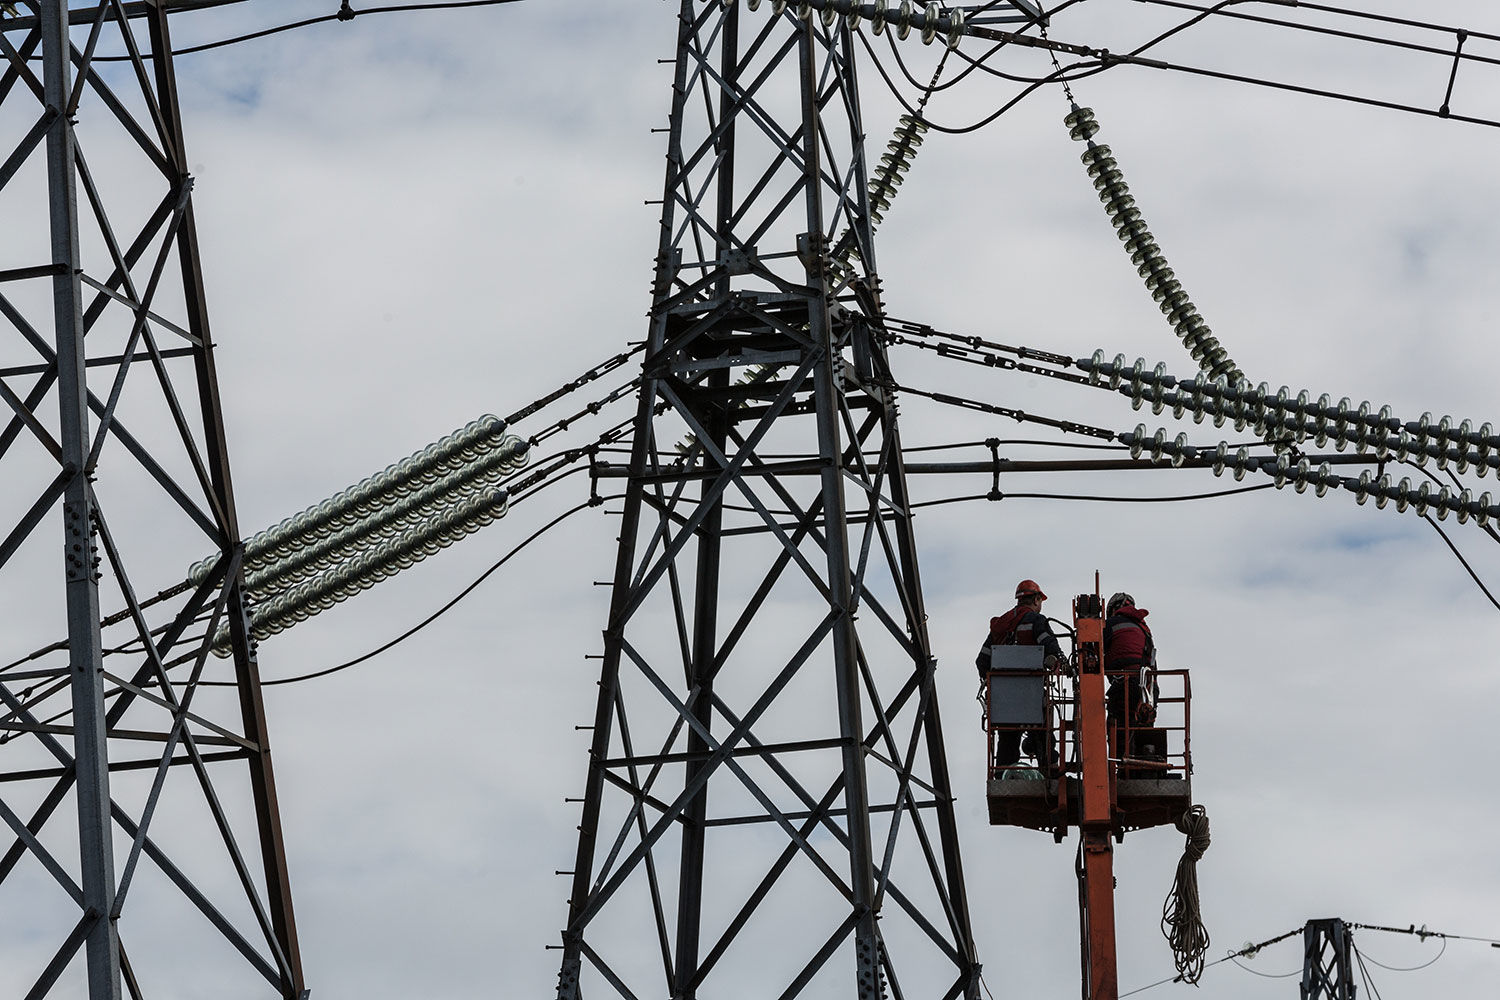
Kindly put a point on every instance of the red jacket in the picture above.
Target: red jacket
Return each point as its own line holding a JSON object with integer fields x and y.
{"x": 1127, "y": 638}
{"x": 1022, "y": 625}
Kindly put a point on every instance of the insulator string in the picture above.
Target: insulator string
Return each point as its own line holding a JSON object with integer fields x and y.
{"x": 369, "y": 567}
{"x": 1151, "y": 264}
{"x": 402, "y": 514}
{"x": 1301, "y": 476}
{"x": 360, "y": 501}
{"x": 931, "y": 20}
{"x": 1295, "y": 416}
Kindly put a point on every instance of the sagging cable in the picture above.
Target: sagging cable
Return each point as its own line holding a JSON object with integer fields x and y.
{"x": 1168, "y": 292}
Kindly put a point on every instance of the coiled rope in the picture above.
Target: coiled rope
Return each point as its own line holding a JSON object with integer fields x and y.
{"x": 1181, "y": 918}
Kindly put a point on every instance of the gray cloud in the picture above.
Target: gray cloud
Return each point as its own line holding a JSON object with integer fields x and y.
{"x": 411, "y": 220}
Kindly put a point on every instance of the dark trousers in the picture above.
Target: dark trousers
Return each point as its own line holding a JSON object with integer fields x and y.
{"x": 1125, "y": 703}
{"x": 1009, "y": 743}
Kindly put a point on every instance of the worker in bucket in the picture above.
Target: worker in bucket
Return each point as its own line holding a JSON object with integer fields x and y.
{"x": 1023, "y": 625}
{"x": 1129, "y": 652}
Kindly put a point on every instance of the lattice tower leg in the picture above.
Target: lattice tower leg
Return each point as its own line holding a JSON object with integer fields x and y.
{"x": 766, "y": 636}
{"x": 119, "y": 720}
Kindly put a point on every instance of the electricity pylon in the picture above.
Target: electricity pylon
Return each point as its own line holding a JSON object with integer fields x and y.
{"x": 113, "y": 458}
{"x": 767, "y": 809}
{"x": 1327, "y": 963}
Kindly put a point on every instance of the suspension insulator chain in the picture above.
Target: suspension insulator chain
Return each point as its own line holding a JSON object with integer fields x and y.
{"x": 1144, "y": 252}
{"x": 1286, "y": 416}
{"x": 369, "y": 567}
{"x": 457, "y": 451}
{"x": 894, "y": 163}
{"x": 1301, "y": 475}
{"x": 932, "y": 20}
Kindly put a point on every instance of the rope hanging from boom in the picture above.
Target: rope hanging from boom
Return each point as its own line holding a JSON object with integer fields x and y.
{"x": 1181, "y": 917}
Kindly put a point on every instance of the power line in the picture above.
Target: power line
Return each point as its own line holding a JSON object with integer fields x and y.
{"x": 1423, "y": 933}
{"x": 1449, "y": 542}
{"x": 1247, "y": 951}
{"x": 1408, "y": 968}
{"x": 949, "y": 129}
{"x": 1099, "y": 60}
{"x": 1364, "y": 974}
{"x": 1021, "y": 416}
{"x": 440, "y": 612}
{"x": 1459, "y": 556}
{"x": 1094, "y": 499}
{"x": 1250, "y": 950}
{"x": 344, "y": 13}
{"x": 1220, "y": 11}
{"x": 1265, "y": 975}
{"x": 1001, "y": 442}
{"x": 1488, "y": 529}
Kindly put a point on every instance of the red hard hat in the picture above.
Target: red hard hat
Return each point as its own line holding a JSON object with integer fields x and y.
{"x": 1026, "y": 588}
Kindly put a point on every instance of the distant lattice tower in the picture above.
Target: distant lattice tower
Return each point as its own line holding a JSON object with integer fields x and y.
{"x": 146, "y": 851}
{"x": 1327, "y": 969}
{"x": 767, "y": 809}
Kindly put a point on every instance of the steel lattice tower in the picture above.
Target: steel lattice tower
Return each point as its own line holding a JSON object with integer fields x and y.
{"x": 766, "y": 626}
{"x": 1327, "y": 966}
{"x": 117, "y": 477}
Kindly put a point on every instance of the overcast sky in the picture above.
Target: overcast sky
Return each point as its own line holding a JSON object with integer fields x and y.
{"x": 410, "y": 220}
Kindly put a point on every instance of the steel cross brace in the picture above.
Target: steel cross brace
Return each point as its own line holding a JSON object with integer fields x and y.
{"x": 89, "y": 322}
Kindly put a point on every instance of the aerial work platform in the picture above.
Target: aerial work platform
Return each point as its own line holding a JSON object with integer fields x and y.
{"x": 1054, "y": 804}
{"x": 1109, "y": 751}
{"x": 1149, "y": 786}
